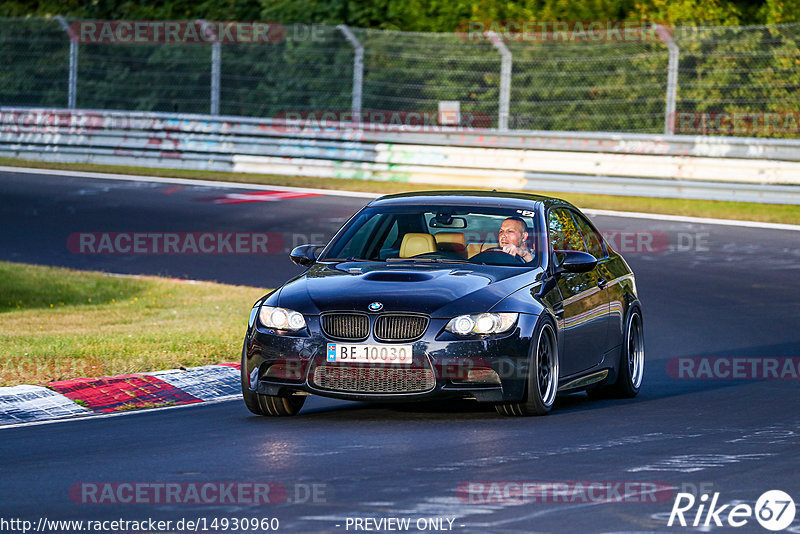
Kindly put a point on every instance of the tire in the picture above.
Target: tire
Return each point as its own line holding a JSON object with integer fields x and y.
{"x": 271, "y": 405}
{"x": 631, "y": 362}
{"x": 542, "y": 385}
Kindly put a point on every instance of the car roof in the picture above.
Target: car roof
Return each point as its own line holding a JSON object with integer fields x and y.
{"x": 504, "y": 199}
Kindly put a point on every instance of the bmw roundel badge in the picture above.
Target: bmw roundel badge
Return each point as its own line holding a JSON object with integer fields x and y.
{"x": 375, "y": 306}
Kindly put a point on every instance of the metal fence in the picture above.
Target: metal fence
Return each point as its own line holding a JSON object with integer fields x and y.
{"x": 605, "y": 85}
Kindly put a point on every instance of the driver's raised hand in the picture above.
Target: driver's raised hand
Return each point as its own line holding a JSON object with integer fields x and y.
{"x": 514, "y": 250}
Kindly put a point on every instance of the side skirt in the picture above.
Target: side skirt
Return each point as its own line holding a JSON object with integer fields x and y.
{"x": 584, "y": 381}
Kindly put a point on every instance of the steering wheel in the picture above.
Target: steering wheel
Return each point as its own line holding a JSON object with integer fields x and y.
{"x": 494, "y": 253}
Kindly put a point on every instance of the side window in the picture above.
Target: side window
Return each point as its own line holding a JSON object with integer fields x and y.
{"x": 594, "y": 243}
{"x": 563, "y": 232}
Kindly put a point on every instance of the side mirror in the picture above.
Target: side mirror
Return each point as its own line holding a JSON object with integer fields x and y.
{"x": 304, "y": 255}
{"x": 576, "y": 262}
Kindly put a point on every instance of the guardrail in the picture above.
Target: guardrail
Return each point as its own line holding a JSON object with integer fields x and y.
{"x": 717, "y": 168}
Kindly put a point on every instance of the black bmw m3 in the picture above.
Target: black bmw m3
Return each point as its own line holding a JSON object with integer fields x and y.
{"x": 504, "y": 298}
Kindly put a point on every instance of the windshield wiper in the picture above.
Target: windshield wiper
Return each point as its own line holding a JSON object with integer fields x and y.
{"x": 340, "y": 260}
{"x": 428, "y": 260}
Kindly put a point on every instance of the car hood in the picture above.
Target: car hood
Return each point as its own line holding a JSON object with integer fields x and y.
{"x": 437, "y": 290}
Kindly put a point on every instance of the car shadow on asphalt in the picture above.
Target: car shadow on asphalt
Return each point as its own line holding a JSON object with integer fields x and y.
{"x": 663, "y": 378}
{"x": 659, "y": 383}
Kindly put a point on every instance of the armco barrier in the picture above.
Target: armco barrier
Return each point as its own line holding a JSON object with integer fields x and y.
{"x": 717, "y": 168}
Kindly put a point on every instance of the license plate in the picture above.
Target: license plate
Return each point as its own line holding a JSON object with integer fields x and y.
{"x": 389, "y": 354}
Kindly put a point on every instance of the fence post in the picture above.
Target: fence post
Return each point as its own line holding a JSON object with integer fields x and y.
{"x": 216, "y": 65}
{"x": 505, "y": 79}
{"x": 358, "y": 69}
{"x": 72, "y": 89}
{"x": 672, "y": 78}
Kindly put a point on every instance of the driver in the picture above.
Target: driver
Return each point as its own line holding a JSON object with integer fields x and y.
{"x": 513, "y": 236}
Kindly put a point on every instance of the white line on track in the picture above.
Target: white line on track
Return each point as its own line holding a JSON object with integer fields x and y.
{"x": 186, "y": 181}
{"x": 358, "y": 194}
{"x": 698, "y": 220}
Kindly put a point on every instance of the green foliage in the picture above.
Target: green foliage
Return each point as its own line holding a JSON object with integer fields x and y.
{"x": 418, "y": 15}
{"x": 735, "y": 69}
{"x": 780, "y": 11}
{"x": 116, "y": 10}
{"x": 32, "y": 70}
{"x": 309, "y": 70}
{"x": 609, "y": 86}
{"x": 689, "y": 12}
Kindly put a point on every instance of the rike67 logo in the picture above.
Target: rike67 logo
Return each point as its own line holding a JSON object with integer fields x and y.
{"x": 774, "y": 510}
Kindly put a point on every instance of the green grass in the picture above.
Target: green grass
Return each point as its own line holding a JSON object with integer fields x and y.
{"x": 745, "y": 211}
{"x": 143, "y": 405}
{"x": 57, "y": 324}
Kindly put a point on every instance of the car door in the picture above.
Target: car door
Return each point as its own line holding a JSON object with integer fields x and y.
{"x": 584, "y": 306}
{"x": 606, "y": 279}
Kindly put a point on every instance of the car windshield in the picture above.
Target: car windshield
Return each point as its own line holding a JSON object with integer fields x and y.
{"x": 438, "y": 234}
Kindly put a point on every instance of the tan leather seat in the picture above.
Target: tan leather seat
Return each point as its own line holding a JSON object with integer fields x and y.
{"x": 476, "y": 248}
{"x": 415, "y": 244}
{"x": 451, "y": 242}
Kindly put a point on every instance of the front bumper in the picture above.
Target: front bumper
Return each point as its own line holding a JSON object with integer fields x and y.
{"x": 485, "y": 368}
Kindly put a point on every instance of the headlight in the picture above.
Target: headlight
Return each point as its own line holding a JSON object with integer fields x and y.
{"x": 281, "y": 318}
{"x": 484, "y": 323}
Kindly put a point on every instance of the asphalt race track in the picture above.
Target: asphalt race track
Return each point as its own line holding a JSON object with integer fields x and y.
{"x": 708, "y": 290}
